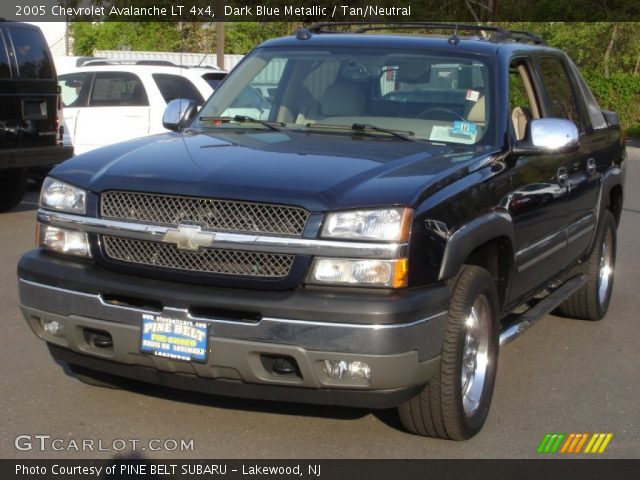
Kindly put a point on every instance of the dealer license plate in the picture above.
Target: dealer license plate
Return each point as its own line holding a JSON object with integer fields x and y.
{"x": 174, "y": 338}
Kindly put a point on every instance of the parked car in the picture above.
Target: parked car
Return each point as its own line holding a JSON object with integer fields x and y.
{"x": 30, "y": 110}
{"x": 407, "y": 205}
{"x": 109, "y": 102}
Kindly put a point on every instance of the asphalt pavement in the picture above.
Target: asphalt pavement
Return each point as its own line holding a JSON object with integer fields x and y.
{"x": 562, "y": 376}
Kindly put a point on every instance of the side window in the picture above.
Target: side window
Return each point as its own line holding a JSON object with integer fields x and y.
{"x": 175, "y": 86}
{"x": 5, "y": 70}
{"x": 114, "y": 89}
{"x": 523, "y": 104}
{"x": 74, "y": 89}
{"x": 31, "y": 53}
{"x": 256, "y": 99}
{"x": 593, "y": 109}
{"x": 559, "y": 91}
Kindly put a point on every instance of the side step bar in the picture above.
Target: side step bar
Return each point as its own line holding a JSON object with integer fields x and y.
{"x": 539, "y": 310}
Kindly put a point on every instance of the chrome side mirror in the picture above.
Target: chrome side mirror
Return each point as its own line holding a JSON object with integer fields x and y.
{"x": 549, "y": 135}
{"x": 178, "y": 114}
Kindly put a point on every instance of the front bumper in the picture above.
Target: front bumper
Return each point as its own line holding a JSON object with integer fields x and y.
{"x": 398, "y": 335}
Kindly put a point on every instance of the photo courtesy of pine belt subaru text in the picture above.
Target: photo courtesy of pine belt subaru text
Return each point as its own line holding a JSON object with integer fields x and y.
{"x": 351, "y": 219}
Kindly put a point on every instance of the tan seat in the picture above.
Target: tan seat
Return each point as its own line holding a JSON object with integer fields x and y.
{"x": 343, "y": 99}
{"x": 476, "y": 112}
{"x": 520, "y": 117}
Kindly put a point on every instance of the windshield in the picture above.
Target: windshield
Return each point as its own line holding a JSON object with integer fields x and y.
{"x": 442, "y": 99}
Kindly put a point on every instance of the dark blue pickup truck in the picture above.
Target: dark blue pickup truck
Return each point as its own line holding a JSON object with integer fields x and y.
{"x": 351, "y": 219}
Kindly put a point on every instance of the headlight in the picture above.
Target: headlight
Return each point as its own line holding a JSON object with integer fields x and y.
{"x": 387, "y": 224}
{"x": 60, "y": 240}
{"x": 61, "y": 196}
{"x": 365, "y": 273}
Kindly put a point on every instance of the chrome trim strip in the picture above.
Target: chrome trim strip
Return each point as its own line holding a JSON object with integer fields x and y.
{"x": 424, "y": 335}
{"x": 582, "y": 232}
{"x": 566, "y": 241}
{"x": 230, "y": 241}
{"x": 542, "y": 256}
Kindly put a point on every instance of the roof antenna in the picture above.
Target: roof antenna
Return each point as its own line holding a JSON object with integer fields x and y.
{"x": 454, "y": 39}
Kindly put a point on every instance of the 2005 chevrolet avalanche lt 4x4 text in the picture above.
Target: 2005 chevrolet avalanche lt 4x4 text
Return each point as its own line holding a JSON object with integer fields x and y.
{"x": 351, "y": 219}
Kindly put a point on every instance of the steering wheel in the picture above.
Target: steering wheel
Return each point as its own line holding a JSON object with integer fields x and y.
{"x": 426, "y": 113}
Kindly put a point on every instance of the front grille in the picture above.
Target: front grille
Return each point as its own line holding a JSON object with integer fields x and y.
{"x": 209, "y": 260}
{"x": 212, "y": 214}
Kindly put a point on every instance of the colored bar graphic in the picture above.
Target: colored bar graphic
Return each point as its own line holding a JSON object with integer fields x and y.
{"x": 572, "y": 443}
{"x": 551, "y": 442}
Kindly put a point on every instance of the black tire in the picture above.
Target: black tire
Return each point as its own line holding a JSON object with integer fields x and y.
{"x": 13, "y": 186}
{"x": 439, "y": 410}
{"x": 95, "y": 378}
{"x": 591, "y": 302}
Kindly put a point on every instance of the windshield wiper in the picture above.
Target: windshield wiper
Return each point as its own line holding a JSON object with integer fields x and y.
{"x": 277, "y": 126}
{"x": 363, "y": 127}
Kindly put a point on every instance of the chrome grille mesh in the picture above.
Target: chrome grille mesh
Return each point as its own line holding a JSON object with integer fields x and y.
{"x": 209, "y": 260}
{"x": 212, "y": 214}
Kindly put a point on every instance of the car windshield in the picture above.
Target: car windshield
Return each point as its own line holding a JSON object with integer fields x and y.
{"x": 422, "y": 96}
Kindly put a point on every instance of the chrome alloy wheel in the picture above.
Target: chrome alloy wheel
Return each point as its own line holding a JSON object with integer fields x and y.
{"x": 605, "y": 273}
{"x": 475, "y": 355}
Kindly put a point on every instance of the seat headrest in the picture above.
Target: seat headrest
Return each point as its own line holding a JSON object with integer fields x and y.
{"x": 343, "y": 99}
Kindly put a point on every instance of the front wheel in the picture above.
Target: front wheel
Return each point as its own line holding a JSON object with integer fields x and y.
{"x": 455, "y": 403}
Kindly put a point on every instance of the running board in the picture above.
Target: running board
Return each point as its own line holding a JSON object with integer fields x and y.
{"x": 539, "y": 310}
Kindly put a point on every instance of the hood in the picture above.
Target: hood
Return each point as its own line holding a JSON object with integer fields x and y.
{"x": 318, "y": 171}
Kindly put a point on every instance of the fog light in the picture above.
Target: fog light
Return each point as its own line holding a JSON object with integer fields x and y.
{"x": 341, "y": 369}
{"x": 60, "y": 240}
{"x": 52, "y": 327}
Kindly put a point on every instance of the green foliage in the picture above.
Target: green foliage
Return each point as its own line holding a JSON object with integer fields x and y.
{"x": 149, "y": 36}
{"x": 619, "y": 93}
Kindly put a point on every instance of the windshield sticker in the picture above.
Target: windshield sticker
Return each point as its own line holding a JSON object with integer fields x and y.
{"x": 464, "y": 128}
{"x": 473, "y": 95}
{"x": 440, "y": 133}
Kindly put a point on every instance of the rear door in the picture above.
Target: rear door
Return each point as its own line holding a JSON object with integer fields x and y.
{"x": 564, "y": 100}
{"x": 117, "y": 110}
{"x": 29, "y": 106}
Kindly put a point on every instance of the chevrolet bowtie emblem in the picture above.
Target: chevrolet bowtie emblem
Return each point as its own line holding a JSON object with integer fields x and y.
{"x": 189, "y": 237}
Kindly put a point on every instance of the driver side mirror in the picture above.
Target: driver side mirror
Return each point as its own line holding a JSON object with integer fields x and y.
{"x": 178, "y": 114}
{"x": 548, "y": 135}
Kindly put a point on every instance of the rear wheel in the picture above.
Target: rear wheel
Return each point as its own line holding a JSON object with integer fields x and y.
{"x": 13, "y": 186}
{"x": 455, "y": 403}
{"x": 591, "y": 302}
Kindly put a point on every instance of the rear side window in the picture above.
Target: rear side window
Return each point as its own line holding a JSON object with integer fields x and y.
{"x": 175, "y": 86}
{"x": 558, "y": 87}
{"x": 214, "y": 79}
{"x": 118, "y": 89}
{"x": 31, "y": 53}
{"x": 5, "y": 71}
{"x": 73, "y": 88}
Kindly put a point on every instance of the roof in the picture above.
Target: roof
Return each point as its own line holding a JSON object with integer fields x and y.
{"x": 466, "y": 44}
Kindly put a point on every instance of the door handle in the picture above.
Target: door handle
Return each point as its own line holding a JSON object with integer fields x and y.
{"x": 591, "y": 166}
{"x": 563, "y": 177}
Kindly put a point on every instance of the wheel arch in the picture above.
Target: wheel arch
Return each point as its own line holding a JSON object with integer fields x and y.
{"x": 487, "y": 242}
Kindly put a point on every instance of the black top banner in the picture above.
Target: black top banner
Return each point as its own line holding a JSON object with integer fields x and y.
{"x": 310, "y": 11}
